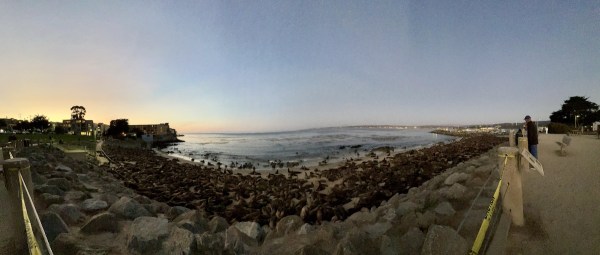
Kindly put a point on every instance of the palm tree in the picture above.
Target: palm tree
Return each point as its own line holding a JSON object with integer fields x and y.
{"x": 78, "y": 114}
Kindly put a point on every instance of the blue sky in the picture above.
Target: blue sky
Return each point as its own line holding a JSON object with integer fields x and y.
{"x": 283, "y": 65}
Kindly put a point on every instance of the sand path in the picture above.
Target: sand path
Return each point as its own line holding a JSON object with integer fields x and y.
{"x": 562, "y": 209}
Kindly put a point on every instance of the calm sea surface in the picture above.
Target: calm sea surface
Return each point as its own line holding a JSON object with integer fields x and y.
{"x": 307, "y": 147}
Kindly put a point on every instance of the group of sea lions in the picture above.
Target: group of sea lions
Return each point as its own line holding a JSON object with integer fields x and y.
{"x": 267, "y": 198}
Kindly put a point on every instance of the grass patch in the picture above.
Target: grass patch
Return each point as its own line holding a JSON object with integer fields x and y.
{"x": 45, "y": 138}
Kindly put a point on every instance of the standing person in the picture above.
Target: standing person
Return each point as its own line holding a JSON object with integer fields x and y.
{"x": 532, "y": 136}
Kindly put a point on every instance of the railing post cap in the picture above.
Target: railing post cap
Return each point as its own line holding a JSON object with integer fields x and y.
{"x": 16, "y": 163}
{"x": 508, "y": 150}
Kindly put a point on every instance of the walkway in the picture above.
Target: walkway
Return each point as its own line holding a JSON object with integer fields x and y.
{"x": 562, "y": 209}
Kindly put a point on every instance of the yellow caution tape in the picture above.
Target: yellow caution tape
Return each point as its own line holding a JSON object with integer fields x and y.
{"x": 491, "y": 208}
{"x": 34, "y": 248}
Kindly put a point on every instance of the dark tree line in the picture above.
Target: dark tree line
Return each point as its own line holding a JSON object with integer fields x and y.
{"x": 118, "y": 128}
{"x": 578, "y": 107}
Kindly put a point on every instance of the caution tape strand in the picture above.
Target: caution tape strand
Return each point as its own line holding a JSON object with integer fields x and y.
{"x": 34, "y": 248}
{"x": 491, "y": 208}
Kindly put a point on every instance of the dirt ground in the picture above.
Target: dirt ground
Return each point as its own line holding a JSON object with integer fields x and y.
{"x": 562, "y": 208}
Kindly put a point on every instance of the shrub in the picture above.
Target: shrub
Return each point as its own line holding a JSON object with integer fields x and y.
{"x": 558, "y": 128}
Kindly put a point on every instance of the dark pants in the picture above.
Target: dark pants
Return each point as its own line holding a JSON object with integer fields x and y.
{"x": 533, "y": 150}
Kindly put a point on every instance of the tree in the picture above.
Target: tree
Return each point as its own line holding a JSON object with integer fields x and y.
{"x": 78, "y": 115}
{"x": 40, "y": 122}
{"x": 23, "y": 125}
{"x": 3, "y": 123}
{"x": 60, "y": 130}
{"x": 118, "y": 128}
{"x": 578, "y": 107}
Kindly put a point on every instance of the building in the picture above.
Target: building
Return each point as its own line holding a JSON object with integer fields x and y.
{"x": 155, "y": 132}
{"x": 83, "y": 127}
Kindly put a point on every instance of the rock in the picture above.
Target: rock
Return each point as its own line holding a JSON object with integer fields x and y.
{"x": 310, "y": 250}
{"x": 103, "y": 222}
{"x": 356, "y": 242}
{"x": 158, "y": 207}
{"x": 251, "y": 229}
{"x": 210, "y": 244}
{"x": 377, "y": 229}
{"x": 176, "y": 211}
{"x": 305, "y": 229}
{"x": 406, "y": 207}
{"x": 37, "y": 179}
{"x": 445, "y": 209}
{"x": 388, "y": 246}
{"x": 456, "y": 177}
{"x": 286, "y": 225}
{"x": 395, "y": 199}
{"x": 61, "y": 183}
{"x": 238, "y": 242}
{"x": 142, "y": 199}
{"x": 424, "y": 220}
{"x": 180, "y": 241}
{"x": 51, "y": 189}
{"x": 443, "y": 240}
{"x": 63, "y": 168}
{"x": 411, "y": 242}
{"x": 68, "y": 212}
{"x": 75, "y": 195}
{"x": 108, "y": 198}
{"x": 217, "y": 224}
{"x": 193, "y": 221}
{"x": 93, "y": 205}
{"x": 456, "y": 191}
{"x": 53, "y": 225}
{"x": 65, "y": 244}
{"x": 48, "y": 199}
{"x": 128, "y": 208}
{"x": 146, "y": 235}
{"x": 389, "y": 215}
{"x": 363, "y": 217}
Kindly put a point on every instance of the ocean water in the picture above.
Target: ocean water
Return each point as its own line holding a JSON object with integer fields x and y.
{"x": 305, "y": 147}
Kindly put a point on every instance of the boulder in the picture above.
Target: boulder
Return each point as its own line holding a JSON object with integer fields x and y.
{"x": 388, "y": 246}
{"x": 356, "y": 242}
{"x": 238, "y": 242}
{"x": 75, "y": 195}
{"x": 444, "y": 209}
{"x": 443, "y": 240}
{"x": 128, "y": 208}
{"x": 193, "y": 221}
{"x": 217, "y": 224}
{"x": 157, "y": 207}
{"x": 251, "y": 229}
{"x": 65, "y": 244}
{"x": 362, "y": 217}
{"x": 142, "y": 199}
{"x": 286, "y": 225}
{"x": 48, "y": 199}
{"x": 146, "y": 235}
{"x": 93, "y": 205}
{"x": 424, "y": 220}
{"x": 456, "y": 191}
{"x": 68, "y": 212}
{"x": 61, "y": 183}
{"x": 53, "y": 225}
{"x": 405, "y": 208}
{"x": 305, "y": 229}
{"x": 310, "y": 249}
{"x": 180, "y": 241}
{"x": 103, "y": 222}
{"x": 411, "y": 241}
{"x": 210, "y": 244}
{"x": 377, "y": 229}
{"x": 51, "y": 189}
{"x": 62, "y": 168}
{"x": 176, "y": 211}
{"x": 456, "y": 177}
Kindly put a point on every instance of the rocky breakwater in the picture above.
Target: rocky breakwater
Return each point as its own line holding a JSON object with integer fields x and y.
{"x": 147, "y": 206}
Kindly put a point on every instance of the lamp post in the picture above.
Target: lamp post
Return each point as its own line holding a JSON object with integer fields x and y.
{"x": 576, "y": 116}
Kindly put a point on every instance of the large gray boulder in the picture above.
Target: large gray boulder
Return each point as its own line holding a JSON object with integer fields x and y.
{"x": 176, "y": 211}
{"x": 405, "y": 208}
{"x": 251, "y": 229}
{"x": 238, "y": 242}
{"x": 75, "y": 195}
{"x": 146, "y": 235}
{"x": 103, "y": 222}
{"x": 356, "y": 242}
{"x": 456, "y": 177}
{"x": 48, "y": 199}
{"x": 128, "y": 208}
{"x": 180, "y": 241}
{"x": 51, "y": 189}
{"x": 210, "y": 243}
{"x": 286, "y": 225}
{"x": 411, "y": 242}
{"x": 53, "y": 225}
{"x": 456, "y": 191}
{"x": 217, "y": 224}
{"x": 443, "y": 240}
{"x": 68, "y": 212}
{"x": 61, "y": 183}
{"x": 93, "y": 205}
{"x": 444, "y": 209}
{"x": 363, "y": 217}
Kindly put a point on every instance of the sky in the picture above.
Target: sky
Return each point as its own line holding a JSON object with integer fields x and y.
{"x": 258, "y": 66}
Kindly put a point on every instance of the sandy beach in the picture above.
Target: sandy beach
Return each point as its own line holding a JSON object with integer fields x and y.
{"x": 562, "y": 208}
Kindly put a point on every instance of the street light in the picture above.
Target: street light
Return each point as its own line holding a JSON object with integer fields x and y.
{"x": 576, "y": 116}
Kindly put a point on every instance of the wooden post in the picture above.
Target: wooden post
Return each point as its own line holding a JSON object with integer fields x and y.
{"x": 12, "y": 168}
{"x": 511, "y": 189}
{"x": 523, "y": 145}
{"x": 511, "y": 138}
